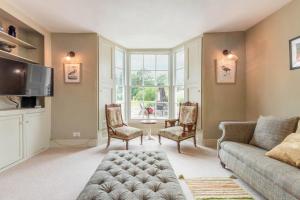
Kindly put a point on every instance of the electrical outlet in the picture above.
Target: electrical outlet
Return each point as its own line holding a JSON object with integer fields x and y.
{"x": 76, "y": 134}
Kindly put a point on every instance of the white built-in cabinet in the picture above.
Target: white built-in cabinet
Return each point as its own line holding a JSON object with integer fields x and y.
{"x": 35, "y": 133}
{"x": 23, "y": 134}
{"x": 11, "y": 143}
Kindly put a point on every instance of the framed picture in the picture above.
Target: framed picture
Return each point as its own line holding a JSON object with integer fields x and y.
{"x": 295, "y": 53}
{"x": 225, "y": 71}
{"x": 72, "y": 73}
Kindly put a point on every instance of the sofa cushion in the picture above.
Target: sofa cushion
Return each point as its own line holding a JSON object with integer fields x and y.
{"x": 284, "y": 175}
{"x": 271, "y": 131}
{"x": 288, "y": 151}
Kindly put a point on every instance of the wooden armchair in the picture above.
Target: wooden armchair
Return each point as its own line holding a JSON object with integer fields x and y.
{"x": 116, "y": 128}
{"x": 182, "y": 128}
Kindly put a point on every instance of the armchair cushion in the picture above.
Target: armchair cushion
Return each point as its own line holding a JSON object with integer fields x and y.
{"x": 128, "y": 132}
{"x": 175, "y": 133}
{"x": 114, "y": 117}
{"x": 188, "y": 114}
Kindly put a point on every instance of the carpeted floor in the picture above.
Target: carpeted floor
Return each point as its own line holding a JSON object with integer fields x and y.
{"x": 61, "y": 173}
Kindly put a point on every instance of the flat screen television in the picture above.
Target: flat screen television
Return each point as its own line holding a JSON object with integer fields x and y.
{"x": 24, "y": 79}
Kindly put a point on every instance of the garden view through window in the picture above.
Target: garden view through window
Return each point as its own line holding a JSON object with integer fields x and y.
{"x": 149, "y": 86}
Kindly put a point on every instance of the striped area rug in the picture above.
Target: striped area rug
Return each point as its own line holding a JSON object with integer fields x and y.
{"x": 216, "y": 189}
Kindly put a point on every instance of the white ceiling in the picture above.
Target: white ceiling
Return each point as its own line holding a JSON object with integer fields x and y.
{"x": 147, "y": 23}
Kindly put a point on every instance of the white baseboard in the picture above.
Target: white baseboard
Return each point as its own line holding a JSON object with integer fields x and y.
{"x": 73, "y": 143}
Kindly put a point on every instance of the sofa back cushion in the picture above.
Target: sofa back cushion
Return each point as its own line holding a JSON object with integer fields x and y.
{"x": 271, "y": 131}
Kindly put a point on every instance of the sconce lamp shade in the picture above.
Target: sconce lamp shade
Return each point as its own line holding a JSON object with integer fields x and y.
{"x": 230, "y": 55}
{"x": 70, "y": 55}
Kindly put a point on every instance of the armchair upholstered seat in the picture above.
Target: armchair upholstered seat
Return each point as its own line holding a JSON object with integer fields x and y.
{"x": 182, "y": 128}
{"x": 128, "y": 132}
{"x": 116, "y": 128}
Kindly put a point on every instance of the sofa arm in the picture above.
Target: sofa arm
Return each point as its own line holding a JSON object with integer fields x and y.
{"x": 236, "y": 131}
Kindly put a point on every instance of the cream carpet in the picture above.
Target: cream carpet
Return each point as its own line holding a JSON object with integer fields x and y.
{"x": 61, "y": 173}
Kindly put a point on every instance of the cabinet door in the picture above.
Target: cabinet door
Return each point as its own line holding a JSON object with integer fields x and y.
{"x": 35, "y": 133}
{"x": 11, "y": 138}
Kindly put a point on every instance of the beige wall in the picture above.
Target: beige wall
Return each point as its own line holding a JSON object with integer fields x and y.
{"x": 221, "y": 102}
{"x": 74, "y": 106}
{"x": 273, "y": 89}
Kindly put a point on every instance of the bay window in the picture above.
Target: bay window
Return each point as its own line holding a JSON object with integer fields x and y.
{"x": 152, "y": 86}
{"x": 149, "y": 85}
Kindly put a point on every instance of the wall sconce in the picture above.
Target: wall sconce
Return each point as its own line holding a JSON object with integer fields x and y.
{"x": 230, "y": 55}
{"x": 70, "y": 55}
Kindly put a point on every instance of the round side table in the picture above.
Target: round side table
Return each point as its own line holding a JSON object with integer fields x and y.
{"x": 149, "y": 122}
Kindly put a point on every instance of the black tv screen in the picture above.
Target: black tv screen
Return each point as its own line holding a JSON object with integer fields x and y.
{"x": 24, "y": 79}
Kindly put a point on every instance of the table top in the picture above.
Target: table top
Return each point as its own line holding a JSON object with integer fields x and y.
{"x": 149, "y": 121}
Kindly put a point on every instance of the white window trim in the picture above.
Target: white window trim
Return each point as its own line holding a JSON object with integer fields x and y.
{"x": 174, "y": 70}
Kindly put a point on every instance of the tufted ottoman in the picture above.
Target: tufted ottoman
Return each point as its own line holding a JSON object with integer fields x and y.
{"x": 133, "y": 175}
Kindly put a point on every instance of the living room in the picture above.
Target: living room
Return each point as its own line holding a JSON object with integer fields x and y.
{"x": 149, "y": 99}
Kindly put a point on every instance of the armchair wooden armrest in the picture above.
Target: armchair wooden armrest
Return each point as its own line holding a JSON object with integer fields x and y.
{"x": 171, "y": 122}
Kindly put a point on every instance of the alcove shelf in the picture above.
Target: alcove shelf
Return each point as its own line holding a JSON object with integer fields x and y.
{"x": 12, "y": 56}
{"x": 28, "y": 43}
{"x": 13, "y": 40}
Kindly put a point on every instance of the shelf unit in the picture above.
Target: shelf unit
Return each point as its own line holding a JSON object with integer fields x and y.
{"x": 13, "y": 40}
{"x": 12, "y": 56}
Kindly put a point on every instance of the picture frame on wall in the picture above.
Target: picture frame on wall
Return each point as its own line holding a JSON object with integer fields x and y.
{"x": 72, "y": 73}
{"x": 226, "y": 71}
{"x": 294, "y": 53}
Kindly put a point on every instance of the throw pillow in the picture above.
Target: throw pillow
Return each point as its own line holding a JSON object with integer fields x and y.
{"x": 270, "y": 131}
{"x": 288, "y": 151}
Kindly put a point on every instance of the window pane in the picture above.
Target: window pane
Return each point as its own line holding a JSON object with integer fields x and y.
{"x": 119, "y": 58}
{"x": 162, "y": 78}
{"x": 149, "y": 109}
{"x": 149, "y": 78}
{"x": 136, "y": 77}
{"x": 179, "y": 94}
{"x": 176, "y": 110}
{"x": 162, "y": 110}
{"x": 149, "y": 62}
{"x": 179, "y": 59}
{"x": 163, "y": 94}
{"x": 119, "y": 77}
{"x": 120, "y": 94}
{"x": 136, "y": 62}
{"x": 149, "y": 101}
{"x": 149, "y": 94}
{"x": 179, "y": 77}
{"x": 137, "y": 105}
{"x": 162, "y": 62}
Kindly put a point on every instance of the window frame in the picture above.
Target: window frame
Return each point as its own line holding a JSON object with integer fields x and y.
{"x": 115, "y": 67}
{"x": 175, "y": 85}
{"x": 170, "y": 77}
